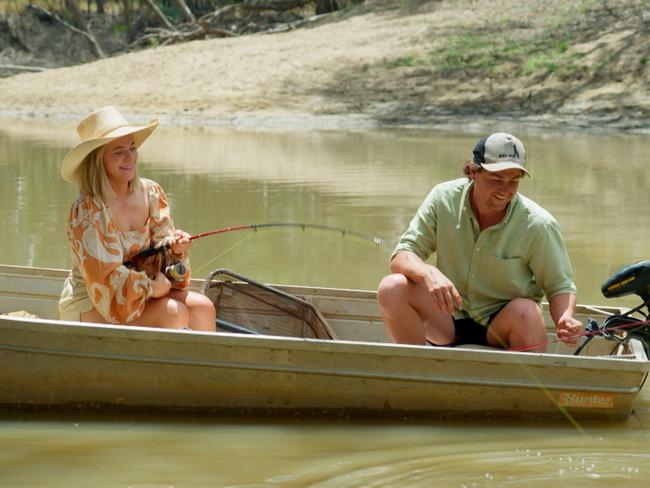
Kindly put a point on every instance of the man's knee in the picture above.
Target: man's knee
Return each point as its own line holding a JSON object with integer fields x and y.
{"x": 526, "y": 311}
{"x": 391, "y": 288}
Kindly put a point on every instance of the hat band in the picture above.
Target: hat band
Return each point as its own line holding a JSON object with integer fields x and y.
{"x": 104, "y": 134}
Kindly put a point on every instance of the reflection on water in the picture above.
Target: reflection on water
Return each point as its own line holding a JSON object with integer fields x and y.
{"x": 370, "y": 182}
{"x": 84, "y": 453}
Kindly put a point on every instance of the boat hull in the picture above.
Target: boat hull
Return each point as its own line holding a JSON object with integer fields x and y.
{"x": 50, "y": 364}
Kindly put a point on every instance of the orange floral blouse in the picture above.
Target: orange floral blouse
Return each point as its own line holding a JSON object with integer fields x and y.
{"x": 99, "y": 277}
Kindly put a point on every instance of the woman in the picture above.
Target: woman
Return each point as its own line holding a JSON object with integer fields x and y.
{"x": 117, "y": 215}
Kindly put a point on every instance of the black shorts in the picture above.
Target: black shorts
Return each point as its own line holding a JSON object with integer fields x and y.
{"x": 468, "y": 331}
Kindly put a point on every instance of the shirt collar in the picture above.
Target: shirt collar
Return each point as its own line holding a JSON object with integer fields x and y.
{"x": 465, "y": 203}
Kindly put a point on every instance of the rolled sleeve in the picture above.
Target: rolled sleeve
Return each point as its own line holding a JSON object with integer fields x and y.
{"x": 421, "y": 236}
{"x": 550, "y": 261}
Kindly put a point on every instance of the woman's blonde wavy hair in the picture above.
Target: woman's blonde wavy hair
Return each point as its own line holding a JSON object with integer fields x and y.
{"x": 93, "y": 179}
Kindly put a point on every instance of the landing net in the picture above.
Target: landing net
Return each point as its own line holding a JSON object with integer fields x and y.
{"x": 262, "y": 309}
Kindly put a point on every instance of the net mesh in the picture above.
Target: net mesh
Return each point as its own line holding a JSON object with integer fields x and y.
{"x": 262, "y": 309}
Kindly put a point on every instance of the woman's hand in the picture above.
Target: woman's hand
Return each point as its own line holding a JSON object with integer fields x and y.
{"x": 160, "y": 285}
{"x": 181, "y": 242}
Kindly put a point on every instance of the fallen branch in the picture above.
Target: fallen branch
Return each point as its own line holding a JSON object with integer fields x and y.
{"x": 18, "y": 67}
{"x": 186, "y": 11}
{"x": 183, "y": 33}
{"x": 87, "y": 35}
{"x": 255, "y": 5}
{"x": 275, "y": 5}
{"x": 160, "y": 15}
{"x": 215, "y": 14}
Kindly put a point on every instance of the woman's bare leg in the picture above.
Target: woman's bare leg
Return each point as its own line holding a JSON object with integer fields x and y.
{"x": 201, "y": 310}
{"x": 164, "y": 312}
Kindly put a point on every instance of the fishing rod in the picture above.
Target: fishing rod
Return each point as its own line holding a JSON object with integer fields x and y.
{"x": 302, "y": 226}
{"x": 151, "y": 251}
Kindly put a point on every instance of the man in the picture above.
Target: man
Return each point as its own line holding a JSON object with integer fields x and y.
{"x": 497, "y": 254}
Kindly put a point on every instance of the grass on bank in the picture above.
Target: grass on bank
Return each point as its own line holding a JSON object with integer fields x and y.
{"x": 514, "y": 48}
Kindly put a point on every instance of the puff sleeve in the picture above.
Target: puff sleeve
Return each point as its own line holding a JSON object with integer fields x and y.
{"x": 162, "y": 226}
{"x": 118, "y": 293}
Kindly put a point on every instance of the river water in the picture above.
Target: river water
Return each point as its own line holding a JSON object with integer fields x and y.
{"x": 369, "y": 182}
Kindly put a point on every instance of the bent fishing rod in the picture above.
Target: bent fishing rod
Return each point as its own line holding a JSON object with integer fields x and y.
{"x": 255, "y": 227}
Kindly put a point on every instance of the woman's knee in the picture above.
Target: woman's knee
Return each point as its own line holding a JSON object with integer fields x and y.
{"x": 177, "y": 314}
{"x": 202, "y": 305}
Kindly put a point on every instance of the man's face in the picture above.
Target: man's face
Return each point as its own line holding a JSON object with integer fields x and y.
{"x": 493, "y": 191}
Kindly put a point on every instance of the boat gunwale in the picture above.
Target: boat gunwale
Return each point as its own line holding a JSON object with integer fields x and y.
{"x": 265, "y": 342}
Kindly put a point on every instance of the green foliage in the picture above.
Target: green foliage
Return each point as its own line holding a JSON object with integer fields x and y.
{"x": 540, "y": 62}
{"x": 509, "y": 50}
{"x": 405, "y": 61}
{"x": 474, "y": 52}
{"x": 118, "y": 28}
{"x": 171, "y": 11}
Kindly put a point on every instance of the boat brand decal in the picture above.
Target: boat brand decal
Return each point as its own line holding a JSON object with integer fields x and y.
{"x": 586, "y": 400}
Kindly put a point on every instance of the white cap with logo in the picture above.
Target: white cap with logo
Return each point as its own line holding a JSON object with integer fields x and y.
{"x": 500, "y": 151}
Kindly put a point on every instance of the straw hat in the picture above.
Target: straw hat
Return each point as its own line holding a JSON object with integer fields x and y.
{"x": 96, "y": 129}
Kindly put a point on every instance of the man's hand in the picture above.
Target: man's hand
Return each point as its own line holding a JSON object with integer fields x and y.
{"x": 443, "y": 292}
{"x": 569, "y": 330}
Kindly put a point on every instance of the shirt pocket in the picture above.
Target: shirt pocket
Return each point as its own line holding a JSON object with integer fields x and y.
{"x": 506, "y": 278}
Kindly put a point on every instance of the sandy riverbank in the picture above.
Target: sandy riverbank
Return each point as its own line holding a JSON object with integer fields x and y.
{"x": 549, "y": 64}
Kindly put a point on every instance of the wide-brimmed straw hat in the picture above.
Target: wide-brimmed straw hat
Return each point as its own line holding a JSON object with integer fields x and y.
{"x": 96, "y": 129}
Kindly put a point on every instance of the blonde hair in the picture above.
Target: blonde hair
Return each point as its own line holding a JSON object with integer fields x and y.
{"x": 93, "y": 179}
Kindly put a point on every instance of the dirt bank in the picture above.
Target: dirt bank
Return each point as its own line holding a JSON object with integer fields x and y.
{"x": 555, "y": 63}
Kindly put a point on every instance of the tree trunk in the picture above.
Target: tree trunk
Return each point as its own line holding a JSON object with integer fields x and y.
{"x": 77, "y": 15}
{"x": 100, "y": 6}
{"x": 87, "y": 33}
{"x": 126, "y": 13}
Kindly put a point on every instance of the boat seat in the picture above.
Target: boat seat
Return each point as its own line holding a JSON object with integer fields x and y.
{"x": 22, "y": 314}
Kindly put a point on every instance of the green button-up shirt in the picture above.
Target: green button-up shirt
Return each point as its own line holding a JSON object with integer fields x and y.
{"x": 521, "y": 256}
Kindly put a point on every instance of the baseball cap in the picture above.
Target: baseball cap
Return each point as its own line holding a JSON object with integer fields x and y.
{"x": 500, "y": 151}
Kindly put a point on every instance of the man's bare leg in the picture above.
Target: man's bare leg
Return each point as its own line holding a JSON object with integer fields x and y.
{"x": 409, "y": 314}
{"x": 518, "y": 325}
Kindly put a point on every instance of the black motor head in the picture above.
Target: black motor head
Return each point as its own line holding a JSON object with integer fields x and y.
{"x": 632, "y": 278}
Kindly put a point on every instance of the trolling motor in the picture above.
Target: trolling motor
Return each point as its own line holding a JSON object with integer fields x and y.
{"x": 630, "y": 279}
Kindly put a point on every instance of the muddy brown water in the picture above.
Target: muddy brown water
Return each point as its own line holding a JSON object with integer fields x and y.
{"x": 370, "y": 182}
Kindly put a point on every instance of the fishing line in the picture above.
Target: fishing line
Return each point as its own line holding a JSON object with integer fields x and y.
{"x": 223, "y": 253}
{"x": 582, "y": 334}
{"x": 545, "y": 390}
{"x": 534, "y": 377}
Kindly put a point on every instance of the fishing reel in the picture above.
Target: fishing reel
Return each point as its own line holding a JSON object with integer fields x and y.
{"x": 159, "y": 259}
{"x": 630, "y": 279}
